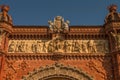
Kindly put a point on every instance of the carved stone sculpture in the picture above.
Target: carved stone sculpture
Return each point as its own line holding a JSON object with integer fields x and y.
{"x": 4, "y": 14}
{"x": 113, "y": 14}
{"x": 66, "y": 46}
{"x": 76, "y": 47}
{"x": 34, "y": 47}
{"x": 84, "y": 47}
{"x": 57, "y": 44}
{"x": 58, "y": 25}
{"x": 11, "y": 47}
{"x": 50, "y": 46}
{"x": 91, "y": 46}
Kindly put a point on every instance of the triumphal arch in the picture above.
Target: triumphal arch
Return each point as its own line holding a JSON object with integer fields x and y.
{"x": 60, "y": 51}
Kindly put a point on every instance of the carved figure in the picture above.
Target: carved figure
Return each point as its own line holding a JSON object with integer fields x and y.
{"x": 44, "y": 47}
{"x": 39, "y": 46}
{"x": 76, "y": 47}
{"x": 34, "y": 47}
{"x": 72, "y": 44}
{"x": 4, "y": 14}
{"x": 20, "y": 46}
{"x": 16, "y": 48}
{"x": 84, "y": 47}
{"x": 92, "y": 46}
{"x": 57, "y": 45}
{"x": 50, "y": 46}
{"x": 66, "y": 46}
{"x": 27, "y": 48}
{"x": 11, "y": 47}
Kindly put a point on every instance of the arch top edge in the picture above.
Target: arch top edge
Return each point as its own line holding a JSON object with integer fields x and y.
{"x": 57, "y": 70}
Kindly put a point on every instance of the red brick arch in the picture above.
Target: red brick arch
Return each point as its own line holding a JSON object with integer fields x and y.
{"x": 57, "y": 71}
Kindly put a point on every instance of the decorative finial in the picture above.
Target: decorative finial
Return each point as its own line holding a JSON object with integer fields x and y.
{"x": 5, "y": 8}
{"x": 112, "y": 8}
{"x": 5, "y": 16}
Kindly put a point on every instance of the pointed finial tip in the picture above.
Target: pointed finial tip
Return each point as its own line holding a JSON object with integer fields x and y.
{"x": 112, "y": 7}
{"x": 4, "y": 8}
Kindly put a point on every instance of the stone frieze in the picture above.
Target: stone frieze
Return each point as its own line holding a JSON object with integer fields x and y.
{"x": 58, "y": 45}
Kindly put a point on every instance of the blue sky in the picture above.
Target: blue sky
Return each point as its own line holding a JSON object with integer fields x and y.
{"x": 78, "y": 12}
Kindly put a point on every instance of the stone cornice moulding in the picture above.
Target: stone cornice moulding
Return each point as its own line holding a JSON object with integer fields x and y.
{"x": 55, "y": 56}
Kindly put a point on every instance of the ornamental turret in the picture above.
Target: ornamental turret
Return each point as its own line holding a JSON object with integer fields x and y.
{"x": 5, "y": 26}
{"x": 112, "y": 27}
{"x": 113, "y": 15}
{"x": 4, "y": 14}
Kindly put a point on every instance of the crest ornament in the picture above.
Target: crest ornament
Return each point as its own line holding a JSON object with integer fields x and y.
{"x": 59, "y": 25}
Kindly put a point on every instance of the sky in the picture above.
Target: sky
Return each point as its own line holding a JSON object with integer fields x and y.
{"x": 78, "y": 12}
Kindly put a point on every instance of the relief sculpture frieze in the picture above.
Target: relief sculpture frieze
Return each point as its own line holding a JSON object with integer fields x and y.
{"x": 58, "y": 45}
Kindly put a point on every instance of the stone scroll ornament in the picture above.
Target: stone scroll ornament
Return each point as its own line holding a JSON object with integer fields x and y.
{"x": 58, "y": 25}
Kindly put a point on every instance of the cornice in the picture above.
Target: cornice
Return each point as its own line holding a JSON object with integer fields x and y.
{"x": 29, "y": 30}
{"x": 40, "y": 29}
{"x": 87, "y": 30}
{"x": 55, "y": 56}
{"x": 43, "y": 31}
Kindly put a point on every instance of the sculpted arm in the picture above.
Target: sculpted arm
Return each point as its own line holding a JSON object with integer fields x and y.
{"x": 113, "y": 34}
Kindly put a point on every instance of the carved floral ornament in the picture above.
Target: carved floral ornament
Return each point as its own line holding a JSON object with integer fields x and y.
{"x": 57, "y": 70}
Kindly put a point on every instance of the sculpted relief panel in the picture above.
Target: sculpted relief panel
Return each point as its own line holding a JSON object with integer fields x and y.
{"x": 58, "y": 45}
